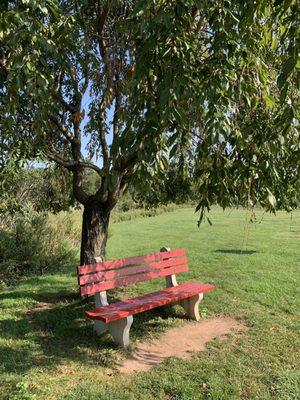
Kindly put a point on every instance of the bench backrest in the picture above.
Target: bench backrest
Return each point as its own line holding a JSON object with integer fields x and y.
{"x": 94, "y": 278}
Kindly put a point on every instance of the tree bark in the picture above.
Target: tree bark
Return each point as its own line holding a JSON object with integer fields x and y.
{"x": 95, "y": 221}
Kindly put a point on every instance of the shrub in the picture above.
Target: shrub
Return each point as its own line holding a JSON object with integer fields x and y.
{"x": 30, "y": 244}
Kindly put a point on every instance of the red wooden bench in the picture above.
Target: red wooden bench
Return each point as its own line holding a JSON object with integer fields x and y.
{"x": 96, "y": 279}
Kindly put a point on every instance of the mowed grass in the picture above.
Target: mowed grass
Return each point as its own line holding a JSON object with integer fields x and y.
{"x": 48, "y": 349}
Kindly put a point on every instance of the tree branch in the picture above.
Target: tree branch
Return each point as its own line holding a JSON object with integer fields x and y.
{"x": 108, "y": 74}
{"x": 85, "y": 77}
{"x": 78, "y": 191}
{"x": 125, "y": 167}
{"x": 85, "y": 85}
{"x": 58, "y": 95}
{"x": 76, "y": 168}
{"x": 74, "y": 79}
{"x": 118, "y": 104}
{"x": 54, "y": 156}
{"x": 3, "y": 66}
{"x": 63, "y": 129}
{"x": 102, "y": 138}
{"x": 66, "y": 105}
{"x": 71, "y": 164}
{"x": 90, "y": 166}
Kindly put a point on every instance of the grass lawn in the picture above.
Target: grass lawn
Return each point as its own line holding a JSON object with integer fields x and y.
{"x": 48, "y": 349}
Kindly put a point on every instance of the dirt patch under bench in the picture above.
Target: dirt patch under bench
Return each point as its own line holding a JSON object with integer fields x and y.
{"x": 180, "y": 341}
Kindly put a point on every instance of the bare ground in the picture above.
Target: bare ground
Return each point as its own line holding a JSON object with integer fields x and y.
{"x": 182, "y": 342}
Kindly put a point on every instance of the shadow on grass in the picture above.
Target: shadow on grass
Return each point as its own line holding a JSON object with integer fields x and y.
{"x": 235, "y": 251}
{"x": 56, "y": 329}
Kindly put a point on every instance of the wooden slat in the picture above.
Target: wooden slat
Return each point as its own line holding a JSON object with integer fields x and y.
{"x": 106, "y": 285}
{"x": 128, "y": 271}
{"x": 124, "y": 308}
{"x": 123, "y": 262}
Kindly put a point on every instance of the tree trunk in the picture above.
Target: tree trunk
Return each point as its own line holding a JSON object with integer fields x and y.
{"x": 95, "y": 222}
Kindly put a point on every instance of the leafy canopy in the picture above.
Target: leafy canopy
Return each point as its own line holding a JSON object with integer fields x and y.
{"x": 211, "y": 87}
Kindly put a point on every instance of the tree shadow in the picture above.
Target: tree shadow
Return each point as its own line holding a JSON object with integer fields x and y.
{"x": 55, "y": 329}
{"x": 235, "y": 251}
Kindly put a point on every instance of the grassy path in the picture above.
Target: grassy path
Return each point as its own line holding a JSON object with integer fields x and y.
{"x": 48, "y": 350}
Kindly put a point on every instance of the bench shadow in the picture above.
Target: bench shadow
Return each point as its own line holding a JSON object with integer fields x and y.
{"x": 235, "y": 251}
{"x": 58, "y": 328}
{"x": 140, "y": 356}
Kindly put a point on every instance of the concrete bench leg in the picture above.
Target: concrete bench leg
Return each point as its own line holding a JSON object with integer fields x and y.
{"x": 120, "y": 330}
{"x": 191, "y": 306}
{"x": 100, "y": 298}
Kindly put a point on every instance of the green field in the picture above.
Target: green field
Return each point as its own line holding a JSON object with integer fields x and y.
{"x": 48, "y": 349}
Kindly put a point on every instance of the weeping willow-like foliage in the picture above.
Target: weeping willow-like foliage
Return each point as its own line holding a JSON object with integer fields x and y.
{"x": 210, "y": 87}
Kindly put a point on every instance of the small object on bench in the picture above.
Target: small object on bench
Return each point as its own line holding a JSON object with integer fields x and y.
{"x": 117, "y": 317}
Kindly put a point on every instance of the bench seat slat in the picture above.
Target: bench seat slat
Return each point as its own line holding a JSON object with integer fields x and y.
{"x": 115, "y": 283}
{"x": 123, "y": 262}
{"x": 128, "y": 271}
{"x": 132, "y": 306}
